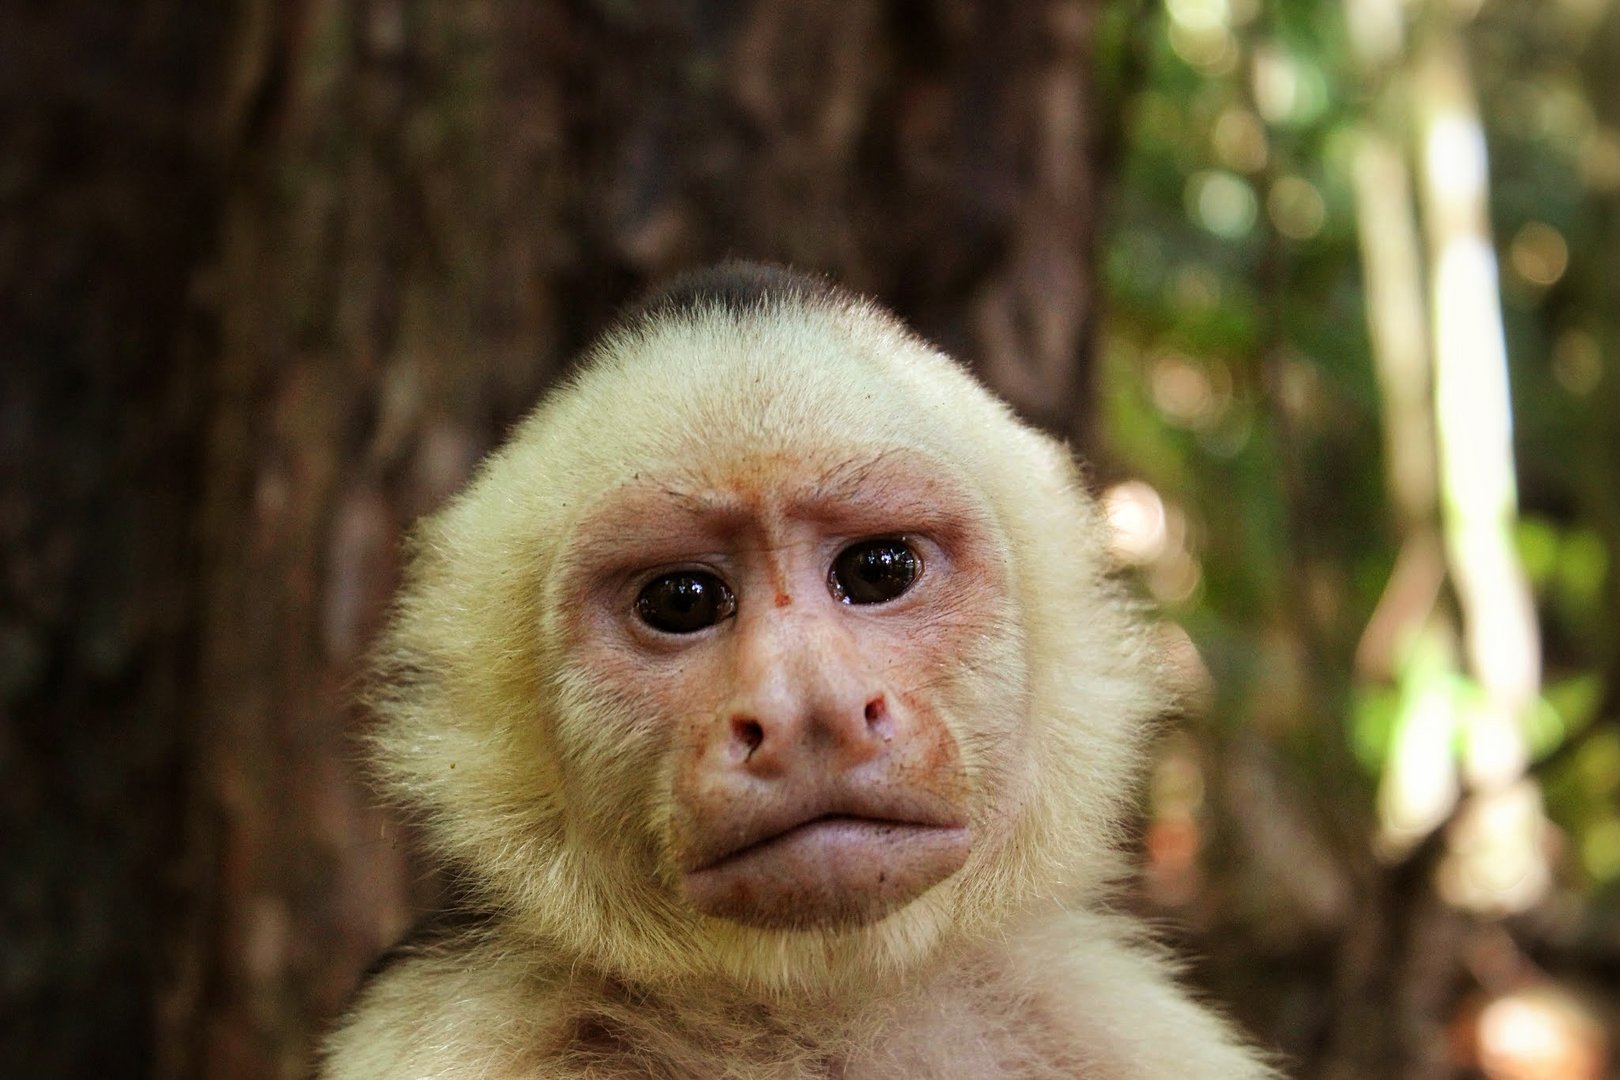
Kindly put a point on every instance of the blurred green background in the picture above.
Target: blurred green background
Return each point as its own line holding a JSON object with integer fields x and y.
{"x": 1362, "y": 274}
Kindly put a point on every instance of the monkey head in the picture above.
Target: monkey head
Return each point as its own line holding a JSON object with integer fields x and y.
{"x": 770, "y": 647}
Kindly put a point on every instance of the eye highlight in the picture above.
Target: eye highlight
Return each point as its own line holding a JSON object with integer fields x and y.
{"x": 685, "y": 602}
{"x": 874, "y": 571}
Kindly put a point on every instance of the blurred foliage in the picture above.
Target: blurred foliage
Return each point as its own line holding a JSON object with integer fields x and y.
{"x": 1240, "y": 384}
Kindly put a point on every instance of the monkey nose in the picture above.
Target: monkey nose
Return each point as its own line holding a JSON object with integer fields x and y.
{"x": 837, "y": 737}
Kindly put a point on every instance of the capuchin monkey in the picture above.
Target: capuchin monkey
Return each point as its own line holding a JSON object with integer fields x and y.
{"x": 769, "y": 695}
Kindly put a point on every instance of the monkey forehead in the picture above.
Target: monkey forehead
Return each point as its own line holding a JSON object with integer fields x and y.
{"x": 857, "y": 491}
{"x": 692, "y": 404}
{"x": 798, "y": 378}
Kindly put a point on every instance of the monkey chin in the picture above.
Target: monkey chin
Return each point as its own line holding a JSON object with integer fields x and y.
{"x": 781, "y": 963}
{"x": 829, "y": 872}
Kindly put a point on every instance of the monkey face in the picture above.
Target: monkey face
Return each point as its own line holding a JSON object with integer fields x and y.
{"x": 770, "y": 680}
{"x": 785, "y": 636}
{"x": 770, "y": 646}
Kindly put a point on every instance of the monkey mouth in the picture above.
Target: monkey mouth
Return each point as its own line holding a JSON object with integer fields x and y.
{"x": 829, "y": 830}
{"x": 828, "y": 869}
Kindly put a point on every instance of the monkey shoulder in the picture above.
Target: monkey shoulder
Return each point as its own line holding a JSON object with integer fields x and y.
{"x": 444, "y": 1010}
{"x": 484, "y": 1009}
{"x": 1102, "y": 985}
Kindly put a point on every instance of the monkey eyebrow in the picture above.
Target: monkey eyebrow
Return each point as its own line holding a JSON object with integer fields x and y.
{"x": 696, "y": 502}
{"x": 845, "y": 480}
{"x": 842, "y": 482}
{"x": 872, "y": 490}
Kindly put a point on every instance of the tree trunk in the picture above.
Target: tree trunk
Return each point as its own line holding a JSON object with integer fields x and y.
{"x": 107, "y": 202}
{"x": 319, "y": 256}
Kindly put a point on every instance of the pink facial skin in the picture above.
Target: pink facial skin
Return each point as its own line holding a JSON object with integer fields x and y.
{"x": 815, "y": 780}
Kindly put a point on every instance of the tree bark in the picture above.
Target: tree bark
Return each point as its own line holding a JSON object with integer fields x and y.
{"x": 107, "y": 199}
{"x": 284, "y": 272}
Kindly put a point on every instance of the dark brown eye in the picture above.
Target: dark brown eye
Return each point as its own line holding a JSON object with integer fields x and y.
{"x": 685, "y": 602}
{"x": 874, "y": 571}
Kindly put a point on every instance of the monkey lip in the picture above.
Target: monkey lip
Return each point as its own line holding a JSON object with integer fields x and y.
{"x": 829, "y": 869}
{"x": 831, "y": 832}
{"x": 840, "y": 812}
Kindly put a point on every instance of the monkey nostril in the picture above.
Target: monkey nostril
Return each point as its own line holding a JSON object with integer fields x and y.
{"x": 748, "y": 734}
{"x": 874, "y": 711}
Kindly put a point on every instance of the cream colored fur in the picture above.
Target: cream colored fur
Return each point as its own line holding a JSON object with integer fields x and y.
{"x": 589, "y": 966}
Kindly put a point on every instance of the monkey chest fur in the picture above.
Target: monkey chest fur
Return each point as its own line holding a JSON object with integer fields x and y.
{"x": 444, "y": 1016}
{"x": 973, "y": 1030}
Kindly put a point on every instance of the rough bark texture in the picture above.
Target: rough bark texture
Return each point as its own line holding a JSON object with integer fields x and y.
{"x": 272, "y": 277}
{"x": 106, "y": 196}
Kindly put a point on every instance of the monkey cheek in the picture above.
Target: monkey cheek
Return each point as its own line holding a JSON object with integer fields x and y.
{"x": 829, "y": 873}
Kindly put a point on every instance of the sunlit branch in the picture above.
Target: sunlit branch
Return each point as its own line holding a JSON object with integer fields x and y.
{"x": 1474, "y": 414}
{"x": 1450, "y": 473}
{"x": 1392, "y": 270}
{"x": 1495, "y": 860}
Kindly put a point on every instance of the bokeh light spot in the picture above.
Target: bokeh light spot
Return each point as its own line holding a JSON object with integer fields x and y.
{"x": 1296, "y": 208}
{"x": 1222, "y": 202}
{"x": 1539, "y": 254}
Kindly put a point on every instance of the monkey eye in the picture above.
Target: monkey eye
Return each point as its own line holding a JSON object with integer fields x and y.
{"x": 874, "y": 571}
{"x": 685, "y": 602}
